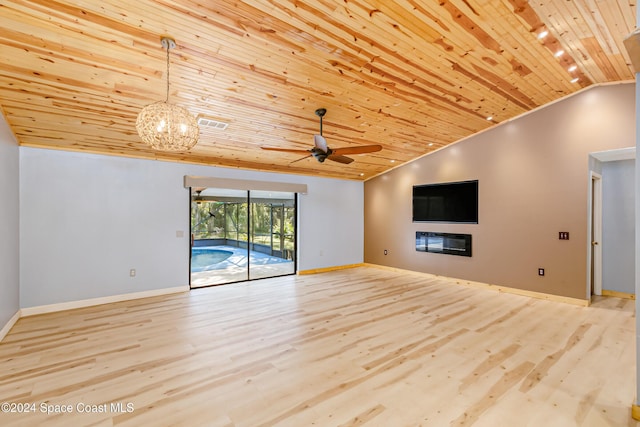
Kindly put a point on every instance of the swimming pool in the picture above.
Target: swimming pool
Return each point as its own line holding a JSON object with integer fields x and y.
{"x": 208, "y": 258}
{"x": 204, "y": 259}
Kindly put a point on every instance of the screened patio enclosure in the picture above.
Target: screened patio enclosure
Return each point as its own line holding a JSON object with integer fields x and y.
{"x": 239, "y": 235}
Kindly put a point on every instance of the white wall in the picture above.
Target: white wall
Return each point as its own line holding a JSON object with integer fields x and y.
{"x": 637, "y": 236}
{"x": 86, "y": 220}
{"x": 618, "y": 226}
{"x": 9, "y": 225}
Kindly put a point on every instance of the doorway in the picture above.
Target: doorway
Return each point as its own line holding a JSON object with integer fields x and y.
{"x": 239, "y": 235}
{"x": 606, "y": 214}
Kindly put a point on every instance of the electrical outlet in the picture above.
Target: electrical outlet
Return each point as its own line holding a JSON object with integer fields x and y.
{"x": 132, "y": 272}
{"x": 385, "y": 251}
{"x": 563, "y": 235}
{"x": 541, "y": 272}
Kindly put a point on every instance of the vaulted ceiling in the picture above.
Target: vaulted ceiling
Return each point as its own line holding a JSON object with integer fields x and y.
{"x": 410, "y": 75}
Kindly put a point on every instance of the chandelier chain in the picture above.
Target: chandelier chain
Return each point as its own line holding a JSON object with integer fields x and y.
{"x": 167, "y": 98}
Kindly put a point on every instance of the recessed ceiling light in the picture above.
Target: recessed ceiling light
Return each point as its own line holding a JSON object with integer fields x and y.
{"x": 490, "y": 118}
{"x": 431, "y": 144}
{"x": 361, "y": 174}
{"x": 573, "y": 68}
{"x": 543, "y": 34}
{"x": 393, "y": 161}
{"x": 559, "y": 53}
{"x": 575, "y": 80}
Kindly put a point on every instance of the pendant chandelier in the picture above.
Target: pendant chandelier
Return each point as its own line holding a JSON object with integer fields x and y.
{"x": 165, "y": 126}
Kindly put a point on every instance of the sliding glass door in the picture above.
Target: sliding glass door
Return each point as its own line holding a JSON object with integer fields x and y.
{"x": 238, "y": 235}
{"x": 272, "y": 225}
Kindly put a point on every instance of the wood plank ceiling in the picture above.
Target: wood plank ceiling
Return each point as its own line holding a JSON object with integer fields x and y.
{"x": 411, "y": 75}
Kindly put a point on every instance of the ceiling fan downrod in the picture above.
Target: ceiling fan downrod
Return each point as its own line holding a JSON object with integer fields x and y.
{"x": 320, "y": 112}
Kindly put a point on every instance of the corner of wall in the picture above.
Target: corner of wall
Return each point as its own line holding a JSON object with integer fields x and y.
{"x": 9, "y": 225}
{"x": 7, "y": 327}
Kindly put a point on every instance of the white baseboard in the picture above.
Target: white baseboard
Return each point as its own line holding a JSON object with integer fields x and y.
{"x": 50, "y": 308}
{"x": 5, "y": 330}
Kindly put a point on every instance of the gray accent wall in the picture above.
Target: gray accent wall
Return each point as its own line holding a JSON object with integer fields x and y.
{"x": 86, "y": 220}
{"x": 618, "y": 226}
{"x": 533, "y": 174}
{"x": 9, "y": 225}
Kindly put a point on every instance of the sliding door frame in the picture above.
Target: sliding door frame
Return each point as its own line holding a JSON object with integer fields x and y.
{"x": 250, "y": 243}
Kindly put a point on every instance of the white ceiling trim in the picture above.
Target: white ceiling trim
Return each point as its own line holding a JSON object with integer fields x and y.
{"x": 615, "y": 155}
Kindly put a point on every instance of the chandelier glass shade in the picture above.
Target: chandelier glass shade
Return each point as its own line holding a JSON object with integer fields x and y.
{"x": 165, "y": 126}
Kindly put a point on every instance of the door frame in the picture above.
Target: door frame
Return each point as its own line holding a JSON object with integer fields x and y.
{"x": 250, "y": 201}
{"x": 628, "y": 153}
{"x": 594, "y": 241}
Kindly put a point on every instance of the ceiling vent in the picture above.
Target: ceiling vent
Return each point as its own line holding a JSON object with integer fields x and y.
{"x": 212, "y": 124}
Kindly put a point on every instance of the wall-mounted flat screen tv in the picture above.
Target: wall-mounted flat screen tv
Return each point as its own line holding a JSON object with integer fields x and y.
{"x": 446, "y": 202}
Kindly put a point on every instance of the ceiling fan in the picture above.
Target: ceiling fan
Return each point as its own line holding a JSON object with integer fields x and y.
{"x": 197, "y": 196}
{"x": 321, "y": 151}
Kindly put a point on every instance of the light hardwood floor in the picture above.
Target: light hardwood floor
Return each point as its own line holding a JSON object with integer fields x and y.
{"x": 362, "y": 346}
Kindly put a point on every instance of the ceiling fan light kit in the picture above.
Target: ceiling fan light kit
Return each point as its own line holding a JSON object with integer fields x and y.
{"x": 165, "y": 126}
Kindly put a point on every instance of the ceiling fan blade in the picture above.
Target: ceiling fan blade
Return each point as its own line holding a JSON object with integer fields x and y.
{"x": 357, "y": 150}
{"x": 286, "y": 150}
{"x": 302, "y": 158}
{"x": 340, "y": 159}
{"x": 320, "y": 143}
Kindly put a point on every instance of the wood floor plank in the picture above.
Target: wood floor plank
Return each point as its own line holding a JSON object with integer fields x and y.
{"x": 361, "y": 346}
